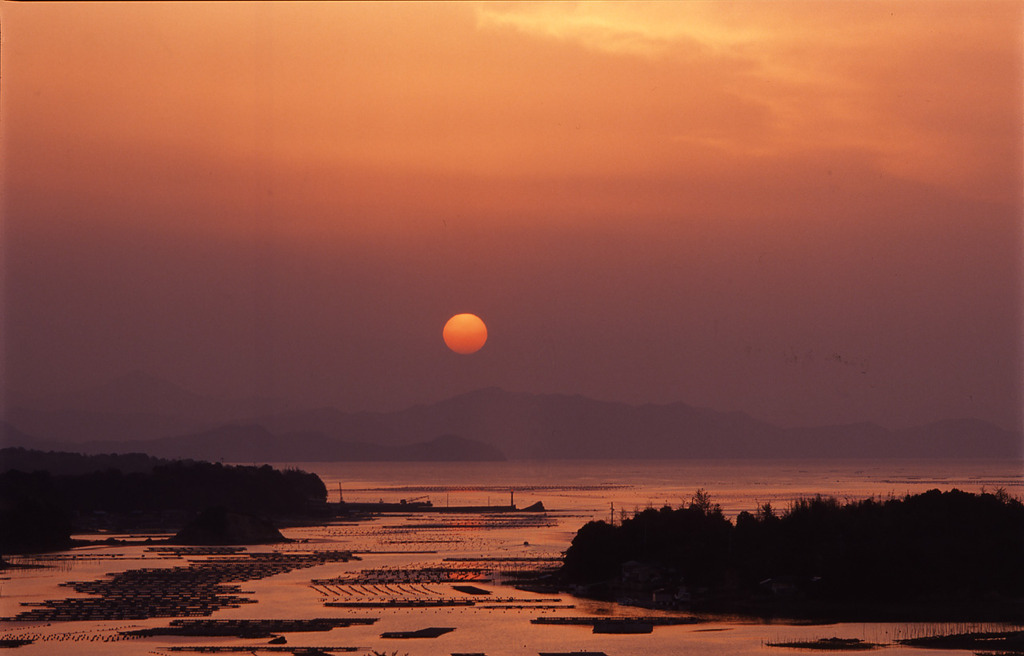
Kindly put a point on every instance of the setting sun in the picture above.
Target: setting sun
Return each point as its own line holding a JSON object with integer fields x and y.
{"x": 465, "y": 333}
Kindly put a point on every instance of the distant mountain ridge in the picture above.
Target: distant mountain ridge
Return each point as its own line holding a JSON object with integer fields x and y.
{"x": 142, "y": 413}
{"x": 255, "y": 444}
{"x": 136, "y": 406}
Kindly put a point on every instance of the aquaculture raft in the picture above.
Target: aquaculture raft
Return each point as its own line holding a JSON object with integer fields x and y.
{"x": 197, "y": 590}
{"x": 212, "y": 649}
{"x": 246, "y": 628}
{"x": 401, "y": 603}
{"x": 429, "y": 632}
{"x": 592, "y": 621}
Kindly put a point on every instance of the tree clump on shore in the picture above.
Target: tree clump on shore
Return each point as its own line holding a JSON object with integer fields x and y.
{"x": 935, "y": 548}
{"x": 193, "y": 486}
{"x": 38, "y": 509}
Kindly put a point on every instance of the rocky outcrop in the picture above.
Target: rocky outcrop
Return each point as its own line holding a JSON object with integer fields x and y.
{"x": 220, "y": 526}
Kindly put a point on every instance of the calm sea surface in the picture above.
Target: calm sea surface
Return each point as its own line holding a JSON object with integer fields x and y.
{"x": 573, "y": 493}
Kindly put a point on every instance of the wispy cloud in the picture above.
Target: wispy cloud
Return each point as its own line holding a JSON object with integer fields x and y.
{"x": 641, "y": 29}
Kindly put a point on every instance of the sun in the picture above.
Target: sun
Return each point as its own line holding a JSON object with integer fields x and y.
{"x": 465, "y": 333}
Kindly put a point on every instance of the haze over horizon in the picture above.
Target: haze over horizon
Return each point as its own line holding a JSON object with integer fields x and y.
{"x": 807, "y": 212}
{"x": 140, "y": 393}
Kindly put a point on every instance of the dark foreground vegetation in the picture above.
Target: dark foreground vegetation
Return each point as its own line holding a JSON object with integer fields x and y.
{"x": 39, "y": 509}
{"x": 934, "y": 555}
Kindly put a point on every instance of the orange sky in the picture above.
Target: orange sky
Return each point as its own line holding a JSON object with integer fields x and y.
{"x": 691, "y": 201}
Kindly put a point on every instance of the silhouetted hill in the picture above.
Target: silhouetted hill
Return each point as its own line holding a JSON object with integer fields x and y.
{"x": 961, "y": 438}
{"x": 451, "y": 448}
{"x": 518, "y": 425}
{"x": 235, "y": 443}
{"x": 70, "y": 426}
{"x": 861, "y": 440}
{"x": 253, "y": 443}
{"x": 64, "y": 464}
{"x": 136, "y": 406}
{"x": 11, "y": 436}
{"x": 134, "y": 393}
{"x": 351, "y": 427}
{"x": 542, "y": 426}
{"x": 219, "y": 526}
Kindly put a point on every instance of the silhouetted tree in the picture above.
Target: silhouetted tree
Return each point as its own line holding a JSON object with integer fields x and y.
{"x": 936, "y": 545}
{"x": 33, "y": 516}
{"x": 37, "y": 509}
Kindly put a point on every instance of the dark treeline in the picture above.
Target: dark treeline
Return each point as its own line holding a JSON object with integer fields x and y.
{"x": 57, "y": 462}
{"x": 33, "y": 515}
{"x": 194, "y": 486}
{"x": 38, "y": 509}
{"x": 927, "y": 548}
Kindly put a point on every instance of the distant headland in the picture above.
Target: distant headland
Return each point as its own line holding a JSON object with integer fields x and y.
{"x": 45, "y": 497}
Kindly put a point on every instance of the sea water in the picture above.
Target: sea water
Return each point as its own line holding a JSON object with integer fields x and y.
{"x": 573, "y": 493}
